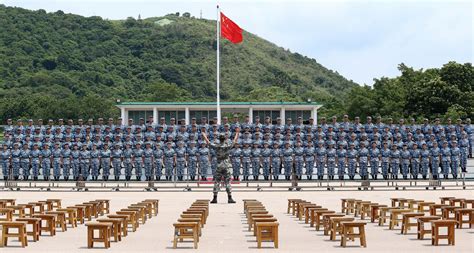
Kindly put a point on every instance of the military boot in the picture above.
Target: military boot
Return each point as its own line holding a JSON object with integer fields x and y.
{"x": 229, "y": 199}
{"x": 214, "y": 199}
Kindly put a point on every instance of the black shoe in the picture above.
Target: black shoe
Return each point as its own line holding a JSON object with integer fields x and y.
{"x": 214, "y": 199}
{"x": 35, "y": 178}
{"x": 193, "y": 178}
{"x": 229, "y": 199}
{"x": 287, "y": 178}
{"x": 255, "y": 178}
{"x": 265, "y": 178}
{"x": 117, "y": 178}
{"x": 5, "y": 178}
{"x": 341, "y": 177}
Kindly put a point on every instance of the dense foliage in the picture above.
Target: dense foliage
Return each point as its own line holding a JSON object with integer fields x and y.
{"x": 447, "y": 92}
{"x": 56, "y": 65}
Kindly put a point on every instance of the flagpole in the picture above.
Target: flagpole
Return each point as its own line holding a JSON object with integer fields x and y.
{"x": 218, "y": 67}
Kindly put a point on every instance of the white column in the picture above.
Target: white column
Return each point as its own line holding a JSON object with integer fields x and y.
{"x": 251, "y": 114}
{"x": 155, "y": 115}
{"x": 282, "y": 116}
{"x": 315, "y": 115}
{"x": 123, "y": 115}
{"x": 186, "y": 115}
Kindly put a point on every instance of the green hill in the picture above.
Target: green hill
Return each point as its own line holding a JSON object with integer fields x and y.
{"x": 62, "y": 65}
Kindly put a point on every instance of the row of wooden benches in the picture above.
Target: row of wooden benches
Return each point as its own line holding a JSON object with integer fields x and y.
{"x": 44, "y": 216}
{"x": 191, "y": 222}
{"x": 264, "y": 224}
{"x": 117, "y": 225}
{"x": 334, "y": 223}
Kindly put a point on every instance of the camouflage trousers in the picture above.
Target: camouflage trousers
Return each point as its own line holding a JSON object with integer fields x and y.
{"x": 222, "y": 176}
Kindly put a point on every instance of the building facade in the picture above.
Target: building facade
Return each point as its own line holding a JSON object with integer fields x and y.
{"x": 189, "y": 110}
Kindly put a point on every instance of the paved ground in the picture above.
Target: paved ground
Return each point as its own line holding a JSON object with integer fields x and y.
{"x": 226, "y": 231}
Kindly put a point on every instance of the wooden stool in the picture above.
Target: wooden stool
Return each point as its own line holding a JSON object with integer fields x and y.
{"x": 95, "y": 208}
{"x": 351, "y": 205}
{"x": 124, "y": 219}
{"x": 252, "y": 218}
{"x": 385, "y": 214}
{"x": 60, "y": 219}
{"x": 104, "y": 233}
{"x": 56, "y": 202}
{"x": 257, "y": 220}
{"x": 105, "y": 205}
{"x": 197, "y": 212}
{"x": 317, "y": 217}
{"x": 413, "y": 204}
{"x": 421, "y": 225}
{"x": 291, "y": 205}
{"x": 358, "y": 207}
{"x": 344, "y": 205}
{"x": 311, "y": 211}
{"x": 267, "y": 231}
{"x": 395, "y": 201}
{"x": 50, "y": 225}
{"x": 29, "y": 210}
{"x": 366, "y": 210}
{"x": 460, "y": 213}
{"x": 305, "y": 211}
{"x": 70, "y": 215}
{"x": 186, "y": 230}
{"x": 141, "y": 216}
{"x": 205, "y": 209}
{"x": 459, "y": 202}
{"x": 424, "y": 207}
{"x": 198, "y": 220}
{"x": 335, "y": 225}
{"x": 48, "y": 204}
{"x": 21, "y": 234}
{"x": 347, "y": 232}
{"x": 468, "y": 203}
{"x": 296, "y": 208}
{"x": 156, "y": 202}
{"x": 148, "y": 208}
{"x": 436, "y": 225}
{"x": 434, "y": 209}
{"x": 406, "y": 224}
{"x": 9, "y": 202}
{"x": 18, "y": 210}
{"x": 374, "y": 212}
{"x": 116, "y": 227}
{"x": 403, "y": 203}
{"x": 131, "y": 219}
{"x": 87, "y": 214}
{"x": 3, "y": 203}
{"x": 6, "y": 213}
{"x": 394, "y": 217}
{"x": 38, "y": 207}
{"x": 445, "y": 200}
{"x": 446, "y": 212}
{"x": 36, "y": 227}
{"x": 326, "y": 220}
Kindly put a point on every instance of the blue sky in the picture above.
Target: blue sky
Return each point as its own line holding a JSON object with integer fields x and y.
{"x": 360, "y": 39}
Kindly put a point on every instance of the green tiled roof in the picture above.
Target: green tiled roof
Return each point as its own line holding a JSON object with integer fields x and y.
{"x": 222, "y": 103}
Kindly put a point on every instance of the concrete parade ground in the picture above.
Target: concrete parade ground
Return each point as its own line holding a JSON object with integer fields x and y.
{"x": 226, "y": 229}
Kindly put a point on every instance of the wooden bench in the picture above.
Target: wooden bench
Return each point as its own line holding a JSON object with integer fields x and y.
{"x": 252, "y": 218}
{"x": 351, "y": 205}
{"x": 148, "y": 208}
{"x": 421, "y": 229}
{"x": 385, "y": 214}
{"x": 366, "y": 210}
{"x": 38, "y": 207}
{"x": 104, "y": 230}
{"x": 116, "y": 227}
{"x": 198, "y": 220}
{"x": 29, "y": 210}
{"x": 349, "y": 234}
{"x": 413, "y": 204}
{"x": 35, "y": 227}
{"x": 312, "y": 211}
{"x": 406, "y": 224}
{"x": 18, "y": 211}
{"x": 95, "y": 208}
{"x": 291, "y": 205}
{"x": 358, "y": 207}
{"x": 435, "y": 235}
{"x": 449, "y": 212}
{"x": 21, "y": 234}
{"x": 267, "y": 231}
{"x": 186, "y": 230}
{"x": 141, "y": 214}
{"x": 6, "y": 214}
{"x": 257, "y": 220}
{"x": 305, "y": 212}
{"x": 87, "y": 214}
{"x": 460, "y": 213}
{"x": 156, "y": 203}
{"x": 50, "y": 220}
{"x": 335, "y": 225}
{"x": 80, "y": 212}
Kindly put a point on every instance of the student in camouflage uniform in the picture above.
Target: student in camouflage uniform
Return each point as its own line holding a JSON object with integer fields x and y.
{"x": 105, "y": 156}
{"x": 191, "y": 159}
{"x": 25, "y": 161}
{"x": 288, "y": 160}
{"x": 331, "y": 160}
{"x": 56, "y": 155}
{"x": 415, "y": 161}
{"x": 127, "y": 161}
{"x": 455, "y": 157}
{"x": 75, "y": 162}
{"x": 341, "y": 161}
{"x": 352, "y": 161}
{"x": 321, "y": 160}
{"x": 256, "y": 160}
{"x": 435, "y": 153}
{"x": 309, "y": 154}
{"x": 5, "y": 156}
{"x": 425, "y": 160}
{"x": 374, "y": 154}
{"x": 158, "y": 161}
{"x": 138, "y": 160}
{"x": 46, "y": 156}
{"x": 180, "y": 160}
{"x": 445, "y": 159}
{"x": 395, "y": 156}
{"x": 222, "y": 149}
{"x": 117, "y": 158}
{"x": 35, "y": 161}
{"x": 85, "y": 161}
{"x": 299, "y": 160}
{"x": 95, "y": 162}
{"x": 170, "y": 161}
{"x": 266, "y": 153}
{"x": 246, "y": 160}
{"x": 236, "y": 154}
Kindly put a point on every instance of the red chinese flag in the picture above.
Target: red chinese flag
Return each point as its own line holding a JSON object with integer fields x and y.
{"x": 230, "y": 30}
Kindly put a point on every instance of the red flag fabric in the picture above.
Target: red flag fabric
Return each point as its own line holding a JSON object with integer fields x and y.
{"x": 230, "y": 30}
